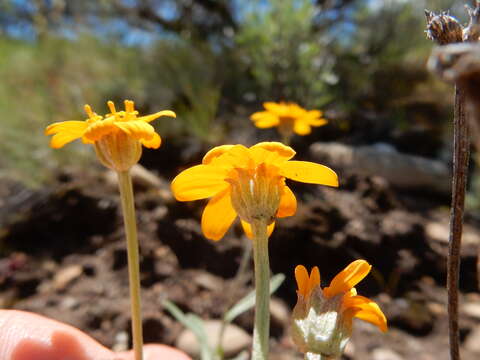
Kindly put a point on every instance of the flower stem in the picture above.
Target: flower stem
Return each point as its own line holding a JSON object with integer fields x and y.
{"x": 460, "y": 171}
{"x": 286, "y": 138}
{"x": 261, "y": 331}
{"x": 128, "y": 207}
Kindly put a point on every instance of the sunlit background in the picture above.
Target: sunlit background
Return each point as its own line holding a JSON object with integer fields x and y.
{"x": 215, "y": 62}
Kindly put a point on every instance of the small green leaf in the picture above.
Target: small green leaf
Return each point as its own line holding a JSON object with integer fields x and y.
{"x": 248, "y": 301}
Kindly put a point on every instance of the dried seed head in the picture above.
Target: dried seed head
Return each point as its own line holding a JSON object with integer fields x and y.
{"x": 443, "y": 28}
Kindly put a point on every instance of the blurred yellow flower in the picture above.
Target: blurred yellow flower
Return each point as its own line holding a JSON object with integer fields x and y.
{"x": 322, "y": 318}
{"x": 117, "y": 137}
{"x": 248, "y": 182}
{"x": 288, "y": 117}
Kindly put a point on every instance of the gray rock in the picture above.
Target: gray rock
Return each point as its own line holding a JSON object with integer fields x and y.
{"x": 472, "y": 342}
{"x": 66, "y": 275}
{"x": 385, "y": 354}
{"x": 235, "y": 339}
{"x": 472, "y": 309}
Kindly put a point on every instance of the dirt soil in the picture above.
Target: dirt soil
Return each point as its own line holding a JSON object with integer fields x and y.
{"x": 62, "y": 254}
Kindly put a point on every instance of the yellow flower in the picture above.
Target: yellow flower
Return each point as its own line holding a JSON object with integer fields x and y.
{"x": 289, "y": 117}
{"x": 322, "y": 318}
{"x": 248, "y": 182}
{"x": 118, "y": 137}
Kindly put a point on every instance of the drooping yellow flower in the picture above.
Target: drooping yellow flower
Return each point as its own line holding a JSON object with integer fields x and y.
{"x": 288, "y": 117}
{"x": 117, "y": 137}
{"x": 322, "y": 318}
{"x": 248, "y": 182}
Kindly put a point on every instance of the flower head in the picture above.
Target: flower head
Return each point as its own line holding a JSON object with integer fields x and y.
{"x": 322, "y": 318}
{"x": 118, "y": 136}
{"x": 289, "y": 117}
{"x": 248, "y": 182}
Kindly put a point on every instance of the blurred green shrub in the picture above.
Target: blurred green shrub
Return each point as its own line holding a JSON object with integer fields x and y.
{"x": 51, "y": 80}
{"x": 185, "y": 74}
{"x": 286, "y": 57}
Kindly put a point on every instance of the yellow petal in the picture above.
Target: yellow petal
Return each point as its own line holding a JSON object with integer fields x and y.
{"x": 306, "y": 283}
{"x": 274, "y": 153}
{"x": 301, "y": 276}
{"x": 248, "y": 229}
{"x": 348, "y": 278}
{"x": 99, "y": 129}
{"x": 309, "y": 172}
{"x": 136, "y": 129}
{"x": 199, "y": 182}
{"x": 153, "y": 143}
{"x": 215, "y": 152}
{"x": 301, "y": 127}
{"x": 368, "y": 310}
{"x": 237, "y": 156}
{"x": 373, "y": 315}
{"x": 317, "y": 122}
{"x": 288, "y": 203}
{"x": 314, "y": 114}
{"x": 149, "y": 118}
{"x": 314, "y": 279}
{"x": 218, "y": 216}
{"x": 264, "y": 119}
{"x": 276, "y": 108}
{"x": 296, "y": 111}
{"x": 65, "y": 132}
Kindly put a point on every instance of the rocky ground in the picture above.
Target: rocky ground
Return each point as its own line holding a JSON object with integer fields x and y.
{"x": 62, "y": 254}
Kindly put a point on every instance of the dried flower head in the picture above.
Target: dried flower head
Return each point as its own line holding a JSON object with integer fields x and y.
{"x": 443, "y": 28}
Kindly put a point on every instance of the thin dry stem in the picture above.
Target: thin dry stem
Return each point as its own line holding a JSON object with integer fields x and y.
{"x": 459, "y": 182}
{"x": 445, "y": 30}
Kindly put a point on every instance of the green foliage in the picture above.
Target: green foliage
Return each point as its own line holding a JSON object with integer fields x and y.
{"x": 50, "y": 81}
{"x": 285, "y": 56}
{"x": 369, "y": 65}
{"x": 185, "y": 74}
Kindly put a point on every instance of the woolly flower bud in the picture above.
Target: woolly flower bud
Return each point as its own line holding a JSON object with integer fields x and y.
{"x": 319, "y": 325}
{"x": 322, "y": 318}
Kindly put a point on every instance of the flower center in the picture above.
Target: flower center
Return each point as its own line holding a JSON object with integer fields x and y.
{"x": 255, "y": 192}
{"x": 286, "y": 125}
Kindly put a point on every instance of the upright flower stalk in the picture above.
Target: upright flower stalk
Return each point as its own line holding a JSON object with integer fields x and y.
{"x": 249, "y": 183}
{"x": 118, "y": 138}
{"x": 261, "y": 331}
{"x": 128, "y": 209}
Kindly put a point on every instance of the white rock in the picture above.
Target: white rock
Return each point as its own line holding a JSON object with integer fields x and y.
{"x": 385, "y": 354}
{"x": 66, "y": 275}
{"x": 472, "y": 309}
{"x": 279, "y": 311}
{"x": 235, "y": 339}
{"x": 69, "y": 303}
{"x": 121, "y": 341}
{"x": 349, "y": 349}
{"x": 472, "y": 342}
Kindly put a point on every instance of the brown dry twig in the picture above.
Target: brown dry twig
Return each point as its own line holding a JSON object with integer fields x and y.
{"x": 445, "y": 30}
